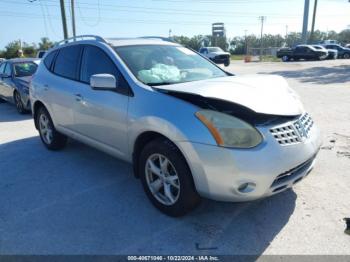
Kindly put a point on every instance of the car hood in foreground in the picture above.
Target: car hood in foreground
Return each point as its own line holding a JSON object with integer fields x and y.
{"x": 262, "y": 94}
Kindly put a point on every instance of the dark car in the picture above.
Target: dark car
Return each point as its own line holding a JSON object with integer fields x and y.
{"x": 15, "y": 77}
{"x": 332, "y": 53}
{"x": 342, "y": 51}
{"x": 306, "y": 52}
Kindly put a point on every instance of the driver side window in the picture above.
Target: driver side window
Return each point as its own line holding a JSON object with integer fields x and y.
{"x": 96, "y": 61}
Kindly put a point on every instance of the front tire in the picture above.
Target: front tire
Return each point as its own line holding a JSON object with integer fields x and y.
{"x": 227, "y": 63}
{"x": 167, "y": 179}
{"x": 51, "y": 138}
{"x": 285, "y": 58}
{"x": 346, "y": 56}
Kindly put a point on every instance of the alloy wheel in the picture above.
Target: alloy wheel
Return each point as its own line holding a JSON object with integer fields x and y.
{"x": 162, "y": 179}
{"x": 45, "y": 129}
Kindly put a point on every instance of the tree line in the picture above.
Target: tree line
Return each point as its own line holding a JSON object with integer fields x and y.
{"x": 235, "y": 45}
{"x": 238, "y": 44}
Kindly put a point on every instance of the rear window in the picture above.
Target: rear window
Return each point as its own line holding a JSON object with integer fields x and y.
{"x": 24, "y": 69}
{"x": 49, "y": 58}
{"x": 67, "y": 62}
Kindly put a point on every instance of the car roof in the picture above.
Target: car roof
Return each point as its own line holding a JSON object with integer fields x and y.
{"x": 139, "y": 41}
{"x": 19, "y": 60}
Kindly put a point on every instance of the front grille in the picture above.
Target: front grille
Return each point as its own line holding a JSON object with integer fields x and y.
{"x": 291, "y": 174}
{"x": 293, "y": 132}
{"x": 285, "y": 135}
{"x": 304, "y": 124}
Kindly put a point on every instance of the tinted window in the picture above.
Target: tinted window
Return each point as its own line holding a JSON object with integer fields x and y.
{"x": 8, "y": 70}
{"x": 2, "y": 68}
{"x": 24, "y": 69}
{"x": 96, "y": 61}
{"x": 48, "y": 59}
{"x": 67, "y": 62}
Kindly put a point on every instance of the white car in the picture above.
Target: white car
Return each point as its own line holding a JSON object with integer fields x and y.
{"x": 189, "y": 128}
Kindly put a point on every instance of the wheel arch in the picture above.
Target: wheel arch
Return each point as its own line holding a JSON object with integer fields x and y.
{"x": 36, "y": 106}
{"x": 140, "y": 142}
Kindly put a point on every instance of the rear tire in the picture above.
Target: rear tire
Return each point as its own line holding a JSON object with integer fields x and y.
{"x": 51, "y": 138}
{"x": 346, "y": 56}
{"x": 18, "y": 102}
{"x": 167, "y": 179}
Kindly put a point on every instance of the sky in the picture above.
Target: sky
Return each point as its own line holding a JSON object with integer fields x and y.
{"x": 29, "y": 20}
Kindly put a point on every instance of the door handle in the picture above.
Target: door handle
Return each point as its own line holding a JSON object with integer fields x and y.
{"x": 78, "y": 97}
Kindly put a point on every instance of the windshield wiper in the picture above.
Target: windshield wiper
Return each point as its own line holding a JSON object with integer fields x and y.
{"x": 162, "y": 84}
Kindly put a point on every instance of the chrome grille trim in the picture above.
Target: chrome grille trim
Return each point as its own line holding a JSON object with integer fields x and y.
{"x": 293, "y": 132}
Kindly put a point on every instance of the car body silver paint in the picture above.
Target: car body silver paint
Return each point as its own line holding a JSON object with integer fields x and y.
{"x": 112, "y": 122}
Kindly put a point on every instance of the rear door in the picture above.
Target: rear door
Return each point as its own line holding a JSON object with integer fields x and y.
{"x": 62, "y": 86}
{"x": 101, "y": 115}
{"x": 2, "y": 69}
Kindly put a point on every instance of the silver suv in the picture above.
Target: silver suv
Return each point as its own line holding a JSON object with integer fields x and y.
{"x": 189, "y": 128}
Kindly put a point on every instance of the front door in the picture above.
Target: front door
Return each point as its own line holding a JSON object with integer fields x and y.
{"x": 100, "y": 115}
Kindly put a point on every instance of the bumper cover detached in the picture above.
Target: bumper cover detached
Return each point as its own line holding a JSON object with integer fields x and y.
{"x": 228, "y": 174}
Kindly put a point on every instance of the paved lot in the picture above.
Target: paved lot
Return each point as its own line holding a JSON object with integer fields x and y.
{"x": 82, "y": 201}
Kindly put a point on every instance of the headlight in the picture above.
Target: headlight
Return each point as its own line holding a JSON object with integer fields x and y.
{"x": 229, "y": 131}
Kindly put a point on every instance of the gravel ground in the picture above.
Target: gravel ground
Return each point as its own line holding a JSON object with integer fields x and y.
{"x": 82, "y": 201}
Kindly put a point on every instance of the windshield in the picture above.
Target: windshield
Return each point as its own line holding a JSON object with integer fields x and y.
{"x": 24, "y": 69}
{"x": 215, "y": 49}
{"x": 166, "y": 64}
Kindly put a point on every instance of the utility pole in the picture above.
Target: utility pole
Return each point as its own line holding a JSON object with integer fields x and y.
{"x": 169, "y": 33}
{"x": 245, "y": 40}
{"x": 73, "y": 17}
{"x": 262, "y": 19}
{"x": 313, "y": 22}
{"x": 305, "y": 21}
{"x": 64, "y": 21}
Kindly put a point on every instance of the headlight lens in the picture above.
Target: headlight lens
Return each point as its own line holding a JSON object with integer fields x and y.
{"x": 229, "y": 131}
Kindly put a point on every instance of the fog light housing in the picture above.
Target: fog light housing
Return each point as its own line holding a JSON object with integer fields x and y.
{"x": 246, "y": 187}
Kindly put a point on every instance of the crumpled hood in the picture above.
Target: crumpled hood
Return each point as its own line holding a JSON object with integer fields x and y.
{"x": 266, "y": 94}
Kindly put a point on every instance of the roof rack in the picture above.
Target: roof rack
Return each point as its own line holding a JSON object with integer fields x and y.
{"x": 80, "y": 38}
{"x": 167, "y": 39}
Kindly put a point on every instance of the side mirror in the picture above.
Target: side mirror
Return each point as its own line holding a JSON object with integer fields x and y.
{"x": 103, "y": 82}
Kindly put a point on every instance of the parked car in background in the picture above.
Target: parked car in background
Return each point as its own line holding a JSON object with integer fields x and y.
{"x": 189, "y": 128}
{"x": 306, "y": 52}
{"x": 332, "y": 53}
{"x": 2, "y": 59}
{"x": 15, "y": 77}
{"x": 216, "y": 54}
{"x": 343, "y": 52}
{"x": 347, "y": 46}
{"x": 40, "y": 53}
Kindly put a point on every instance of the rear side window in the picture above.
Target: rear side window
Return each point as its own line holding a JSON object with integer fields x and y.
{"x": 49, "y": 59}
{"x": 96, "y": 61}
{"x": 67, "y": 62}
